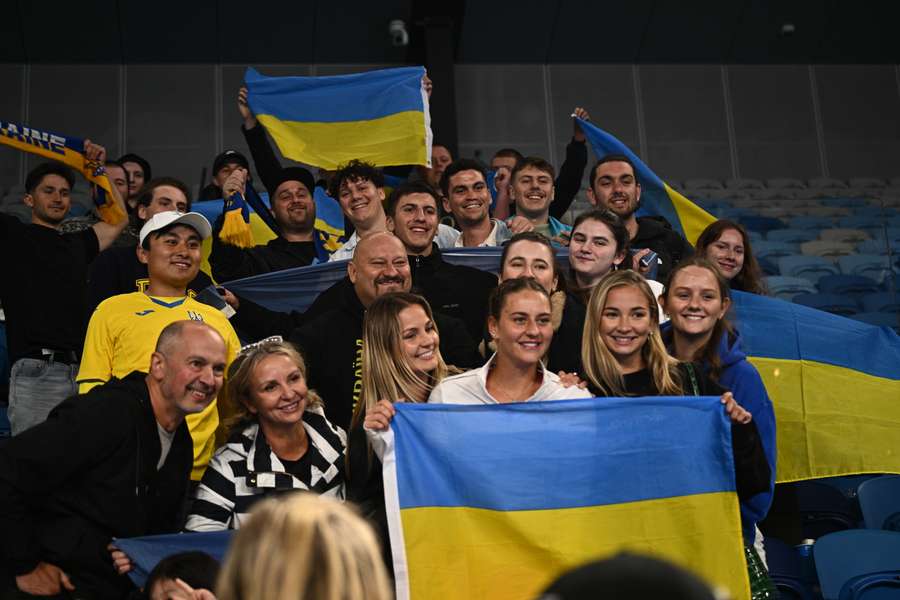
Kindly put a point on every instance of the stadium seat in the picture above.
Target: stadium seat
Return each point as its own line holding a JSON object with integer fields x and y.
{"x": 20, "y": 211}
{"x": 881, "y": 319}
{"x": 808, "y": 194}
{"x": 780, "y": 211}
{"x": 810, "y": 223}
{"x": 743, "y": 184}
{"x": 842, "y": 558}
{"x": 703, "y": 184}
{"x": 774, "y": 250}
{"x": 786, "y": 570}
{"x": 826, "y": 249}
{"x": 755, "y": 237}
{"x": 761, "y": 224}
{"x": 824, "y": 509}
{"x": 887, "y": 302}
{"x": 811, "y": 268}
{"x": 786, "y": 288}
{"x": 825, "y": 183}
{"x": 769, "y": 266}
{"x": 792, "y": 236}
{"x": 4, "y": 423}
{"x": 769, "y": 194}
{"x": 855, "y": 286}
{"x": 828, "y": 211}
{"x": 879, "y": 501}
{"x": 878, "y": 246}
{"x": 892, "y": 233}
{"x": 735, "y": 214}
{"x": 867, "y": 182}
{"x": 873, "y": 266}
{"x": 784, "y": 183}
{"x": 844, "y": 201}
{"x": 830, "y": 303}
{"x": 852, "y": 236}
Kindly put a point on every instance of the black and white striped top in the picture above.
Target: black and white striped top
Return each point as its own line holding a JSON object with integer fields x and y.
{"x": 245, "y": 470}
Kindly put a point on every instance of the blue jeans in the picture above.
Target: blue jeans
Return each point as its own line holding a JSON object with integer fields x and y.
{"x": 35, "y": 387}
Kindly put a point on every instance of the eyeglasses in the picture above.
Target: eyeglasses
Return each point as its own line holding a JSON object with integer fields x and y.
{"x": 255, "y": 345}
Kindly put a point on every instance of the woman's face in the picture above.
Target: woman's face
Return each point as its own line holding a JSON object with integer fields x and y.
{"x": 625, "y": 325}
{"x": 593, "y": 250}
{"x": 727, "y": 253}
{"x": 278, "y": 392}
{"x": 530, "y": 259}
{"x": 524, "y": 330}
{"x": 694, "y": 302}
{"x": 418, "y": 339}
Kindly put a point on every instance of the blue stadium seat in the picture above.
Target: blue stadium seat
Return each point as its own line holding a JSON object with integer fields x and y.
{"x": 792, "y": 236}
{"x": 769, "y": 266}
{"x": 878, "y": 246}
{"x": 848, "y": 285}
{"x": 810, "y": 223}
{"x": 786, "y": 570}
{"x": 842, "y": 558}
{"x": 761, "y": 224}
{"x": 755, "y": 237}
{"x": 811, "y": 268}
{"x": 827, "y": 249}
{"x": 774, "y": 250}
{"x": 831, "y": 303}
{"x": 839, "y": 234}
{"x": 873, "y": 266}
{"x": 887, "y": 302}
{"x": 786, "y": 288}
{"x": 881, "y": 319}
{"x": 879, "y": 500}
{"x": 824, "y": 509}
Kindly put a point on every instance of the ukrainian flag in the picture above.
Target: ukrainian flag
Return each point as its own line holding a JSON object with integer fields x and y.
{"x": 834, "y": 384}
{"x": 657, "y": 197}
{"x": 495, "y": 501}
{"x": 379, "y": 117}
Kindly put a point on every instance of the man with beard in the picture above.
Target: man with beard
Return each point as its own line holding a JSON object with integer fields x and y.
{"x": 44, "y": 275}
{"x": 614, "y": 186}
{"x": 532, "y": 190}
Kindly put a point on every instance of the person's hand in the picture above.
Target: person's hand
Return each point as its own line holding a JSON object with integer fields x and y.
{"x": 636, "y": 261}
{"x": 244, "y": 109}
{"x": 44, "y": 580}
{"x": 581, "y": 113}
{"x": 230, "y": 299}
{"x": 236, "y": 183}
{"x": 379, "y": 418}
{"x": 121, "y": 562}
{"x": 427, "y": 85}
{"x": 735, "y": 411}
{"x": 518, "y": 224}
{"x": 571, "y": 379}
{"x": 501, "y": 180}
{"x": 94, "y": 151}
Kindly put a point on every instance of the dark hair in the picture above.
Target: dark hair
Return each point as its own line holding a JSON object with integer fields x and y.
{"x": 610, "y": 158}
{"x": 355, "y": 170}
{"x": 145, "y": 166}
{"x": 146, "y": 195}
{"x": 509, "y": 153}
{"x": 533, "y": 161}
{"x": 411, "y": 187}
{"x": 509, "y": 287}
{"x": 538, "y": 238}
{"x": 461, "y": 164}
{"x": 37, "y": 174}
{"x": 195, "y": 568}
{"x": 749, "y": 279}
{"x": 709, "y": 354}
{"x": 611, "y": 220}
{"x": 114, "y": 163}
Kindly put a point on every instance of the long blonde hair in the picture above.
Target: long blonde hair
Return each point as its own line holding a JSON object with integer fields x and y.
{"x": 386, "y": 374}
{"x": 303, "y": 546}
{"x": 236, "y": 394}
{"x": 600, "y": 365}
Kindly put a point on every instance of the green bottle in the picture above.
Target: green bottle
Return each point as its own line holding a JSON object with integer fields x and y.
{"x": 761, "y": 585}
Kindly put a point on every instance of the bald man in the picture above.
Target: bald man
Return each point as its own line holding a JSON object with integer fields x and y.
{"x": 112, "y": 463}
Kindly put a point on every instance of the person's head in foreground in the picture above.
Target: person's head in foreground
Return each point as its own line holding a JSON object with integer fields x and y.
{"x": 171, "y": 578}
{"x": 628, "y": 577}
{"x": 303, "y": 546}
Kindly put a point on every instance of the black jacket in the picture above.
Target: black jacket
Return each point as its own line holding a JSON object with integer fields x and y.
{"x": 231, "y": 262}
{"x": 564, "y": 353}
{"x": 86, "y": 475}
{"x": 331, "y": 343}
{"x": 117, "y": 270}
{"x": 656, "y": 233}
{"x": 568, "y": 182}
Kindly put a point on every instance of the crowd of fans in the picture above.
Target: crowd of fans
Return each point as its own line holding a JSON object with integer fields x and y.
{"x": 135, "y": 410}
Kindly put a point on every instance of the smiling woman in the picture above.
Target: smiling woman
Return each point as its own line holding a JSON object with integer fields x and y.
{"x": 727, "y": 245}
{"x": 280, "y": 439}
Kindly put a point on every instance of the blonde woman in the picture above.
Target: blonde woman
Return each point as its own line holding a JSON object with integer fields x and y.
{"x": 280, "y": 439}
{"x": 623, "y": 355}
{"x": 303, "y": 547}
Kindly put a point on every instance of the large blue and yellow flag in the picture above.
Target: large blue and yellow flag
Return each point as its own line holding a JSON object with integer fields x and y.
{"x": 380, "y": 117}
{"x": 657, "y": 197}
{"x": 494, "y": 502}
{"x": 834, "y": 384}
{"x": 70, "y": 151}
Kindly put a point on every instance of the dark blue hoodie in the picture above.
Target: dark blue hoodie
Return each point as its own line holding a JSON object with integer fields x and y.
{"x": 742, "y": 379}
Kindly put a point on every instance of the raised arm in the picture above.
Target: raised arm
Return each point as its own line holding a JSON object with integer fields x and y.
{"x": 106, "y": 232}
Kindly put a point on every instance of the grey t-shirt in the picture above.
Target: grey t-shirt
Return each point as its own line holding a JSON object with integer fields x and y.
{"x": 165, "y": 443}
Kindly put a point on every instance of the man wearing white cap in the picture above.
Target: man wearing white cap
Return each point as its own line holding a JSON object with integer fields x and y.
{"x": 124, "y": 328}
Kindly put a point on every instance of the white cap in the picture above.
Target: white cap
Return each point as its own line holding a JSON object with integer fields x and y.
{"x": 166, "y": 218}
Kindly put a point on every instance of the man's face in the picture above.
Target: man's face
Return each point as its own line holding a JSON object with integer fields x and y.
{"x": 415, "y": 222}
{"x": 229, "y": 168}
{"x": 294, "y": 207}
{"x": 440, "y": 160}
{"x": 615, "y": 187}
{"x": 532, "y": 190}
{"x": 49, "y": 201}
{"x": 173, "y": 257}
{"x": 506, "y": 162}
{"x": 135, "y": 178}
{"x": 468, "y": 197}
{"x": 361, "y": 202}
{"x": 192, "y": 371}
{"x": 165, "y": 197}
{"x": 379, "y": 266}
{"x": 118, "y": 178}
